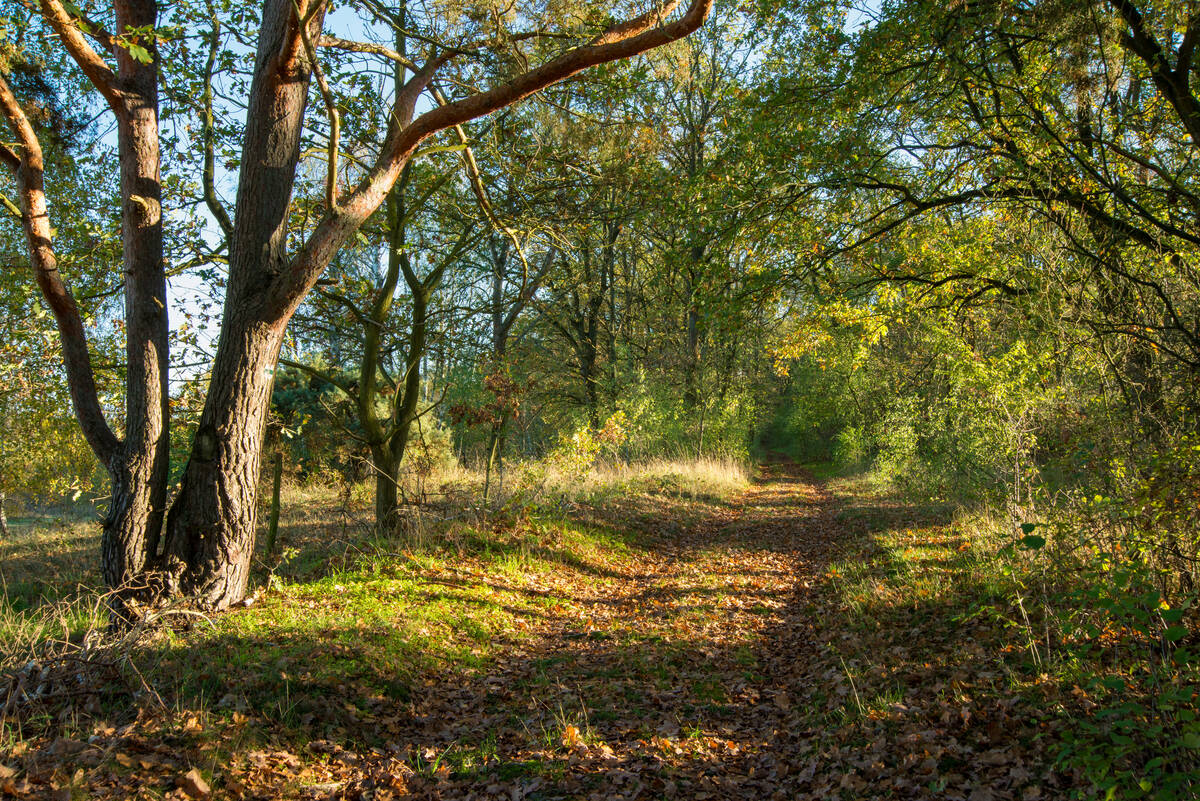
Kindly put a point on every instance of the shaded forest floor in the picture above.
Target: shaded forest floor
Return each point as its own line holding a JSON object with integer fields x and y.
{"x": 804, "y": 639}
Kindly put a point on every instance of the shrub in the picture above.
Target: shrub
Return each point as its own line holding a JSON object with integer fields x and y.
{"x": 850, "y": 449}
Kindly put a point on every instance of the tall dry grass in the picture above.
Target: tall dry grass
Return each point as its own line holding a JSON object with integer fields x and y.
{"x": 703, "y": 477}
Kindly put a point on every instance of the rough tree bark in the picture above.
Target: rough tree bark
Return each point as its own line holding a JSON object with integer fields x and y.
{"x": 139, "y": 473}
{"x": 210, "y": 530}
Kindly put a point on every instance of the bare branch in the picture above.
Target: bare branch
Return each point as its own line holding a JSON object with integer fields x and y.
{"x": 210, "y": 189}
{"x": 331, "y": 110}
{"x": 337, "y": 43}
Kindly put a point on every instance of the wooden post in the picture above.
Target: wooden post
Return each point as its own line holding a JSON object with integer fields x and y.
{"x": 273, "y": 521}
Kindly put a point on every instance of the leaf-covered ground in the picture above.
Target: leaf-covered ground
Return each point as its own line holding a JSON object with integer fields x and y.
{"x": 798, "y": 641}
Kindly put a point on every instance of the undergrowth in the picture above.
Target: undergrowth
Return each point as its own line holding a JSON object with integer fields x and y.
{"x": 1084, "y": 628}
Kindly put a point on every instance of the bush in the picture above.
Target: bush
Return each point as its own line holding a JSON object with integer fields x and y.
{"x": 850, "y": 450}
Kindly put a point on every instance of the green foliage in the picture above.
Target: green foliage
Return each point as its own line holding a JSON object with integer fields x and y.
{"x": 850, "y": 448}
{"x": 661, "y": 423}
{"x": 934, "y": 409}
{"x": 1143, "y": 738}
{"x": 312, "y": 424}
{"x": 577, "y": 453}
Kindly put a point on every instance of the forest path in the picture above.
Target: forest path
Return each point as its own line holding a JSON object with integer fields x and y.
{"x": 676, "y": 674}
{"x": 716, "y": 664}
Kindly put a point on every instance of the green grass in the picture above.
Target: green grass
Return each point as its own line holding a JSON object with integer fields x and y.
{"x": 373, "y": 630}
{"x": 49, "y": 557}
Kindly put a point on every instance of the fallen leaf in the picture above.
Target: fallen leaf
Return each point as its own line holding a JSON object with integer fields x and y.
{"x": 571, "y": 737}
{"x": 194, "y": 785}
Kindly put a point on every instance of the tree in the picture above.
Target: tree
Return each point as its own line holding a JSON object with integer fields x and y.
{"x": 386, "y": 391}
{"x": 137, "y": 462}
{"x": 206, "y": 547}
{"x": 43, "y": 453}
{"x": 1079, "y": 114}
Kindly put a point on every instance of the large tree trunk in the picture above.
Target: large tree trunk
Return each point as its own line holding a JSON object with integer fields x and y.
{"x": 132, "y": 525}
{"x": 210, "y": 532}
{"x": 211, "y": 527}
{"x": 139, "y": 468}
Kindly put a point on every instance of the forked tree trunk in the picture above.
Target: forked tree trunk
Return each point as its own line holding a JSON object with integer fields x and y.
{"x": 211, "y": 526}
{"x": 390, "y": 439}
{"x": 137, "y": 462}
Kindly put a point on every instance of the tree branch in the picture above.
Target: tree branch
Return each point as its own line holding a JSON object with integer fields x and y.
{"x": 210, "y": 190}
{"x": 331, "y": 110}
{"x": 624, "y": 40}
{"x": 338, "y": 43}
{"x": 93, "y": 66}
{"x": 27, "y": 169}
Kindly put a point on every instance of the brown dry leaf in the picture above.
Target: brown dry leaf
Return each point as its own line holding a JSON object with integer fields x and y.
{"x": 19, "y": 789}
{"x": 194, "y": 784}
{"x": 235, "y": 787}
{"x": 6, "y": 772}
{"x": 571, "y": 737}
